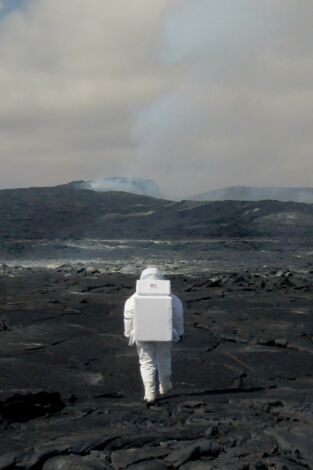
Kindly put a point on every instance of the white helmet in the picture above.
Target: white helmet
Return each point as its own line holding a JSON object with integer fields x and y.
{"x": 151, "y": 273}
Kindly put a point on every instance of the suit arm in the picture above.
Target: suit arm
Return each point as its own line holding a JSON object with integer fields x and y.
{"x": 128, "y": 317}
{"x": 178, "y": 316}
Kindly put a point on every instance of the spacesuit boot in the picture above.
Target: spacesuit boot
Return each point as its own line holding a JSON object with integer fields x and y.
{"x": 164, "y": 388}
{"x": 149, "y": 398}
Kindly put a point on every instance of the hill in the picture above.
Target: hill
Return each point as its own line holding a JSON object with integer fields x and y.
{"x": 244, "y": 193}
{"x": 67, "y": 212}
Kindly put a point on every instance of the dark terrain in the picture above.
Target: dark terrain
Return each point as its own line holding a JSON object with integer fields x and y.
{"x": 70, "y": 390}
{"x": 70, "y": 385}
{"x": 67, "y": 212}
{"x": 254, "y": 193}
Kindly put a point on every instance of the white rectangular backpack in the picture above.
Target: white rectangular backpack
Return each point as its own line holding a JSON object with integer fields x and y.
{"x": 153, "y": 317}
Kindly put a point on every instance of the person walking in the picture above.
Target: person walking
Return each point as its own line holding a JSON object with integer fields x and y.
{"x": 154, "y": 356}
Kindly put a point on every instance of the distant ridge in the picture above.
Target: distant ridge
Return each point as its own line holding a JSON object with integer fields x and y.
{"x": 68, "y": 212}
{"x": 250, "y": 193}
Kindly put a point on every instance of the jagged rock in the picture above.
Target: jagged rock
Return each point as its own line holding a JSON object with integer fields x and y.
{"x": 3, "y": 325}
{"x": 75, "y": 443}
{"x": 283, "y": 463}
{"x": 298, "y": 444}
{"x": 92, "y": 270}
{"x": 25, "y": 407}
{"x": 281, "y": 342}
{"x": 123, "y": 458}
{"x": 149, "y": 465}
{"x": 214, "y": 282}
{"x": 279, "y": 273}
{"x": 192, "y": 404}
{"x": 198, "y": 465}
{"x": 3, "y": 293}
{"x": 73, "y": 462}
{"x": 7, "y": 460}
{"x": 192, "y": 452}
{"x": 258, "y": 466}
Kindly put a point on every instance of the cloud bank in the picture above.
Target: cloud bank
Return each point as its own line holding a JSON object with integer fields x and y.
{"x": 195, "y": 94}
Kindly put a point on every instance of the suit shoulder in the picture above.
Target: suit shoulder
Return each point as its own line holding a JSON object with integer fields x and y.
{"x": 130, "y": 301}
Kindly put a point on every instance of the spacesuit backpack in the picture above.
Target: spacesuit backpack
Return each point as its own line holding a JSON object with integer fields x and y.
{"x": 153, "y": 316}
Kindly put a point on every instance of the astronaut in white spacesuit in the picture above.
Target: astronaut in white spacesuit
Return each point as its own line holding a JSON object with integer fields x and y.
{"x": 154, "y": 356}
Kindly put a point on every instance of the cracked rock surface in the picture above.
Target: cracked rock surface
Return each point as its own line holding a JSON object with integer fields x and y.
{"x": 71, "y": 394}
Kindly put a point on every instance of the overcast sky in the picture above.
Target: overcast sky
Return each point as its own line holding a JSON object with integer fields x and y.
{"x": 195, "y": 94}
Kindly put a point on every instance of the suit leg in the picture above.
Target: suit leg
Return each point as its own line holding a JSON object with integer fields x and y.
{"x": 164, "y": 365}
{"x": 147, "y": 360}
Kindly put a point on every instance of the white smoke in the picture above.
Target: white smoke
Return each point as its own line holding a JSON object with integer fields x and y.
{"x": 227, "y": 118}
{"x": 221, "y": 92}
{"x": 127, "y": 184}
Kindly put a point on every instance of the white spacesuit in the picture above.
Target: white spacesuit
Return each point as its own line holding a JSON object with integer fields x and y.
{"x": 154, "y": 356}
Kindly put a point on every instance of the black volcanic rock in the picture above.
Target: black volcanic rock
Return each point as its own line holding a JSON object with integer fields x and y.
{"x": 29, "y": 406}
{"x": 71, "y": 391}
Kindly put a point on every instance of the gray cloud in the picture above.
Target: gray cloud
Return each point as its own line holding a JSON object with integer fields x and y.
{"x": 71, "y": 71}
{"x": 195, "y": 94}
{"x": 241, "y": 110}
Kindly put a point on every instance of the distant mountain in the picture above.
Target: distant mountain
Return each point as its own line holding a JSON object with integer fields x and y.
{"x": 68, "y": 212}
{"x": 245, "y": 193}
{"x": 122, "y": 183}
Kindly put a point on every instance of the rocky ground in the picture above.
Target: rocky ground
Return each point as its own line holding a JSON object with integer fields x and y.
{"x": 70, "y": 391}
